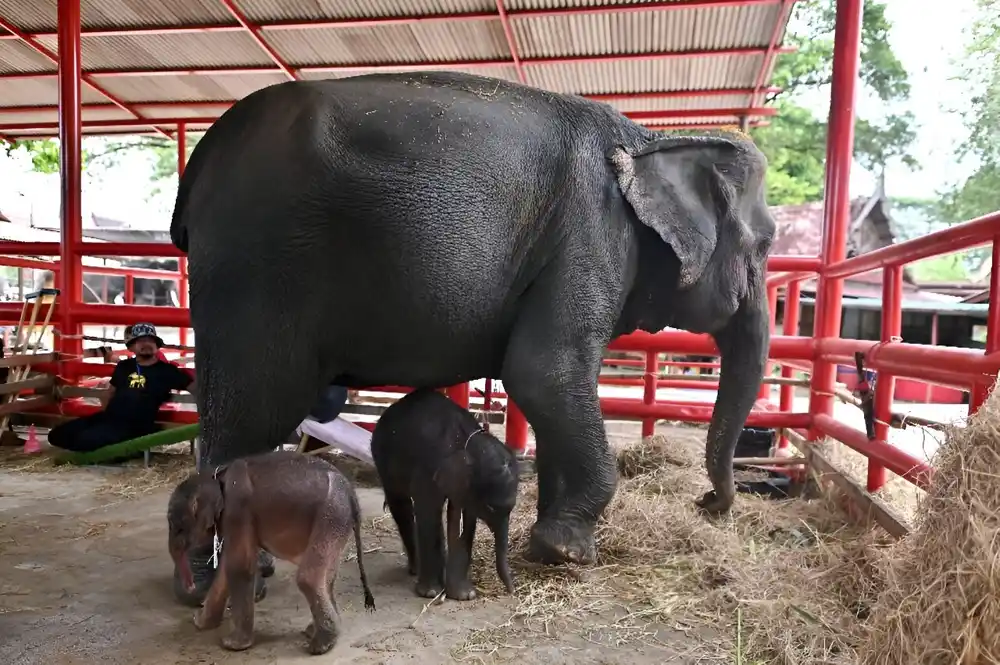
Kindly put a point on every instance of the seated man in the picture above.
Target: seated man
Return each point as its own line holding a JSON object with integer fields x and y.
{"x": 139, "y": 387}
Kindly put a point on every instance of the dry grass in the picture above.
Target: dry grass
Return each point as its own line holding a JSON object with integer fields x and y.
{"x": 168, "y": 466}
{"x": 774, "y": 582}
{"x": 135, "y": 480}
{"x": 942, "y": 599}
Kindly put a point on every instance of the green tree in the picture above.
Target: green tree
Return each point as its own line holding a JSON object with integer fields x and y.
{"x": 979, "y": 194}
{"x": 44, "y": 154}
{"x": 795, "y": 141}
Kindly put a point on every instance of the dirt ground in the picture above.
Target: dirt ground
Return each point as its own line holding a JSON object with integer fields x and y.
{"x": 85, "y": 577}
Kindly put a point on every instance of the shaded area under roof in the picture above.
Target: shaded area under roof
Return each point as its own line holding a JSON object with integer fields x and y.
{"x": 667, "y": 64}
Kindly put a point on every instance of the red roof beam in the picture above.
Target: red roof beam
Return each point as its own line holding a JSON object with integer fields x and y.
{"x": 208, "y": 120}
{"x": 254, "y": 32}
{"x": 41, "y": 49}
{"x": 369, "y": 22}
{"x": 772, "y": 48}
{"x": 219, "y": 104}
{"x": 508, "y": 34}
{"x": 412, "y": 66}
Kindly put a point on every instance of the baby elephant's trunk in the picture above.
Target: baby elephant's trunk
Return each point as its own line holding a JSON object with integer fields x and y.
{"x": 500, "y": 538}
{"x": 356, "y": 514}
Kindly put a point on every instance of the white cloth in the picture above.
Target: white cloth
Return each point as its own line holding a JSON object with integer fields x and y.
{"x": 341, "y": 434}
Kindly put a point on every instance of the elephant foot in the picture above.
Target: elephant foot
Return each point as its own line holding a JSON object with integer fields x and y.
{"x": 237, "y": 642}
{"x": 321, "y": 641}
{"x": 558, "y": 541}
{"x": 461, "y": 591}
{"x": 714, "y": 505}
{"x": 428, "y": 589}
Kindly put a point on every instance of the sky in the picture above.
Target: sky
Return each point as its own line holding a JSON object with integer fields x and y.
{"x": 927, "y": 36}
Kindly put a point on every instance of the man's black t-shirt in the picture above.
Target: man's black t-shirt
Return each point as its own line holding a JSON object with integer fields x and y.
{"x": 141, "y": 390}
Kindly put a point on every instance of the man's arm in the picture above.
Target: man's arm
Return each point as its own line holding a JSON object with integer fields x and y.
{"x": 117, "y": 380}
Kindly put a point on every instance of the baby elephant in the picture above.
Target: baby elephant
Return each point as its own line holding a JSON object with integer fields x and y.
{"x": 428, "y": 449}
{"x": 297, "y": 507}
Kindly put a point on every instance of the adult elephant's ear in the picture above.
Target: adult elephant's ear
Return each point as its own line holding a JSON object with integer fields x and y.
{"x": 684, "y": 188}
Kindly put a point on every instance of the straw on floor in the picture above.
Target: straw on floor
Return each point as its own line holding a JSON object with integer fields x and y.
{"x": 783, "y": 582}
{"x": 941, "y": 604}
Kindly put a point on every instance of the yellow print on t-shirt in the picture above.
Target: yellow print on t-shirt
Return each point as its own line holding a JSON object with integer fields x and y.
{"x": 136, "y": 380}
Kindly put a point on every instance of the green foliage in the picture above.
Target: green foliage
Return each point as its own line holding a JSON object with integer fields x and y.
{"x": 44, "y": 154}
{"x": 949, "y": 268}
{"x": 980, "y": 193}
{"x": 795, "y": 142}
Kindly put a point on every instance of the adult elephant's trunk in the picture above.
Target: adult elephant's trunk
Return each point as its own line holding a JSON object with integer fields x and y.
{"x": 743, "y": 345}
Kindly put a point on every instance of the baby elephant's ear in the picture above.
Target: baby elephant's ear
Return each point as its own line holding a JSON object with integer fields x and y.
{"x": 453, "y": 476}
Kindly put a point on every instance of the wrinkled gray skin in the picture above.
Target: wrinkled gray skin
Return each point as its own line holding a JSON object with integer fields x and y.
{"x": 426, "y": 229}
{"x": 427, "y": 450}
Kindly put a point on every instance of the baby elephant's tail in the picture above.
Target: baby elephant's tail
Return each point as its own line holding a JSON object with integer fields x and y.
{"x": 356, "y": 514}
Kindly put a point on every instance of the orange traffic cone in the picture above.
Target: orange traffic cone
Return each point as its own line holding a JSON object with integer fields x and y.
{"x": 31, "y": 445}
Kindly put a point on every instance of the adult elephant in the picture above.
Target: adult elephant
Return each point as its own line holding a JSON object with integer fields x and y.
{"x": 427, "y": 229}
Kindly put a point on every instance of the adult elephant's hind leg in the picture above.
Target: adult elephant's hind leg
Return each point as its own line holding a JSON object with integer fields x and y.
{"x": 252, "y": 391}
{"x": 550, "y": 371}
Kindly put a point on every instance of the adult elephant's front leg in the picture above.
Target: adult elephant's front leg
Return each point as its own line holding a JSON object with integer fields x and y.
{"x": 551, "y": 373}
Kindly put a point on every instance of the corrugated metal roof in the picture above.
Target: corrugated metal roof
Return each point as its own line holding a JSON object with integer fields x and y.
{"x": 184, "y": 51}
{"x": 187, "y": 88}
{"x": 643, "y": 32}
{"x": 432, "y": 42}
{"x": 263, "y": 11}
{"x": 168, "y": 53}
{"x": 17, "y": 57}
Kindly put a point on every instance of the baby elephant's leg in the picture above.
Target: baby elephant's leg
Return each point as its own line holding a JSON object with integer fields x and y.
{"x": 239, "y": 558}
{"x": 457, "y": 584}
{"x": 317, "y": 574}
{"x": 430, "y": 545}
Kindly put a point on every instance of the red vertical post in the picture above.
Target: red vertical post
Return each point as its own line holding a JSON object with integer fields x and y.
{"x": 772, "y": 305}
{"x": 790, "y": 328}
{"x": 70, "y": 168}
{"x": 980, "y": 391}
{"x": 460, "y": 394}
{"x": 885, "y": 384}
{"x": 182, "y": 263}
{"x": 935, "y": 322}
{"x": 487, "y": 401}
{"x": 517, "y": 427}
{"x": 649, "y": 390}
{"x": 129, "y": 290}
{"x": 836, "y": 209}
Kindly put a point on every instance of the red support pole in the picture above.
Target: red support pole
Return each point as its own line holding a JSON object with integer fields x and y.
{"x": 772, "y": 305}
{"x": 182, "y": 264}
{"x": 980, "y": 392}
{"x": 790, "y": 328}
{"x": 935, "y": 322}
{"x": 836, "y": 210}
{"x": 649, "y": 391}
{"x": 517, "y": 428}
{"x": 885, "y": 384}
{"x": 70, "y": 170}
{"x": 460, "y": 394}
{"x": 129, "y": 290}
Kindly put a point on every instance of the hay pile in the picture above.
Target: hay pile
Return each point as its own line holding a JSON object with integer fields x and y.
{"x": 775, "y": 582}
{"x": 942, "y": 598}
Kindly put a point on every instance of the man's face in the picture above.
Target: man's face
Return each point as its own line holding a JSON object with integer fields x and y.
{"x": 144, "y": 347}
